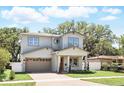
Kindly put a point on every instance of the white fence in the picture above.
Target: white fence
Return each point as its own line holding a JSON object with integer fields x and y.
{"x": 17, "y": 66}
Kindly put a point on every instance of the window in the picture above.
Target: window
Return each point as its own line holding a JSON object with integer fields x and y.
{"x": 70, "y": 41}
{"x": 56, "y": 40}
{"x": 74, "y": 62}
{"x": 73, "y": 41}
{"x": 76, "y": 41}
{"x": 33, "y": 41}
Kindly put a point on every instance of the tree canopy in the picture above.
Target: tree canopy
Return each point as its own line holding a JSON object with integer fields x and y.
{"x": 9, "y": 38}
{"x": 98, "y": 39}
{"x": 121, "y": 45}
{"x": 5, "y": 57}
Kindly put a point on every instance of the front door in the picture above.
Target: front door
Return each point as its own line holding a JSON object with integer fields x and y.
{"x": 61, "y": 69}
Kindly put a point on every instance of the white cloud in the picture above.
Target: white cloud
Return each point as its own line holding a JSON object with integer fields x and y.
{"x": 70, "y": 12}
{"x": 108, "y": 18}
{"x": 112, "y": 10}
{"x": 24, "y": 15}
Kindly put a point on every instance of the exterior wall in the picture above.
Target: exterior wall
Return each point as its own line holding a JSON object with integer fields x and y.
{"x": 61, "y": 44}
{"x": 17, "y": 66}
{"x": 65, "y": 40}
{"x": 43, "y": 53}
{"x": 54, "y": 63}
{"x": 94, "y": 64}
{"x": 54, "y": 45}
{"x": 43, "y": 42}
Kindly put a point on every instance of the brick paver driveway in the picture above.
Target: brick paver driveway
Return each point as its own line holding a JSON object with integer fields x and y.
{"x": 54, "y": 79}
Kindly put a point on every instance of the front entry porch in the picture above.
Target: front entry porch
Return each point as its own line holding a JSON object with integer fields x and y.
{"x": 69, "y": 59}
{"x": 68, "y": 63}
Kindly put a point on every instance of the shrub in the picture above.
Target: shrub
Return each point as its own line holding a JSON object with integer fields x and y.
{"x": 2, "y": 77}
{"x": 8, "y": 66}
{"x": 105, "y": 66}
{"x": 12, "y": 75}
{"x": 82, "y": 72}
{"x": 4, "y": 59}
{"x": 114, "y": 67}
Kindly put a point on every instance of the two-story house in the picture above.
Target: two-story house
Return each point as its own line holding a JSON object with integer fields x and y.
{"x": 42, "y": 52}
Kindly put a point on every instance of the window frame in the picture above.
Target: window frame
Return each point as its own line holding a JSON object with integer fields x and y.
{"x": 76, "y": 42}
{"x": 73, "y": 62}
{"x": 35, "y": 41}
{"x": 56, "y": 41}
{"x": 73, "y": 41}
{"x": 69, "y": 44}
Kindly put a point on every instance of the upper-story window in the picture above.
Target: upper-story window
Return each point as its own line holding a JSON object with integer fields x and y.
{"x": 56, "y": 40}
{"x": 33, "y": 41}
{"x": 73, "y": 41}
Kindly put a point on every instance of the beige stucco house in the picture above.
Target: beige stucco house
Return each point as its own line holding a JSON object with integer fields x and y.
{"x": 103, "y": 59}
{"x": 42, "y": 52}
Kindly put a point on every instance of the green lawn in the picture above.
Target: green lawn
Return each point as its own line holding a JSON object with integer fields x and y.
{"x": 19, "y": 76}
{"x": 22, "y": 76}
{"x": 19, "y": 84}
{"x": 97, "y": 74}
{"x": 108, "y": 81}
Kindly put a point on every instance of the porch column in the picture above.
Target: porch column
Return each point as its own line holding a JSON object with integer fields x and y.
{"x": 68, "y": 63}
{"x": 82, "y": 63}
{"x": 85, "y": 63}
{"x": 58, "y": 65}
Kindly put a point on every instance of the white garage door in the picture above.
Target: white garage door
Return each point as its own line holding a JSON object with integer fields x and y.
{"x": 94, "y": 65}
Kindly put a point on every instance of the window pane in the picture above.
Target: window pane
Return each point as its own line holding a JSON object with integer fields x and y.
{"x": 76, "y": 41}
{"x": 33, "y": 41}
{"x": 70, "y": 41}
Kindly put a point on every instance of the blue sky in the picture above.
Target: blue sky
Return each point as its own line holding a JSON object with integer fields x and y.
{"x": 35, "y": 18}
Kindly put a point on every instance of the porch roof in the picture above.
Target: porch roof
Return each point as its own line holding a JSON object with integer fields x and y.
{"x": 108, "y": 57}
{"x": 72, "y": 51}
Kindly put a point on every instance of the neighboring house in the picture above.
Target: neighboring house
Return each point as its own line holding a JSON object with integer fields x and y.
{"x": 42, "y": 52}
{"x": 100, "y": 60}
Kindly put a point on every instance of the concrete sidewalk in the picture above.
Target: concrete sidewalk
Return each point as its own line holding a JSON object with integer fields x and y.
{"x": 102, "y": 77}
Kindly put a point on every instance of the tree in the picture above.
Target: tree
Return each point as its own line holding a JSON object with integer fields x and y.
{"x": 121, "y": 45}
{"x": 5, "y": 57}
{"x": 103, "y": 47}
{"x": 9, "y": 38}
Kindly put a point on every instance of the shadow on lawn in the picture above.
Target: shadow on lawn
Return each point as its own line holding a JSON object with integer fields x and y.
{"x": 81, "y": 72}
{"x": 20, "y": 73}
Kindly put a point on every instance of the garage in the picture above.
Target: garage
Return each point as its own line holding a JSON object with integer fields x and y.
{"x": 95, "y": 65}
{"x": 35, "y": 65}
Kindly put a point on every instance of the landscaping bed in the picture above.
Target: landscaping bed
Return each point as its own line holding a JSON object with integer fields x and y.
{"x": 95, "y": 74}
{"x": 108, "y": 81}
